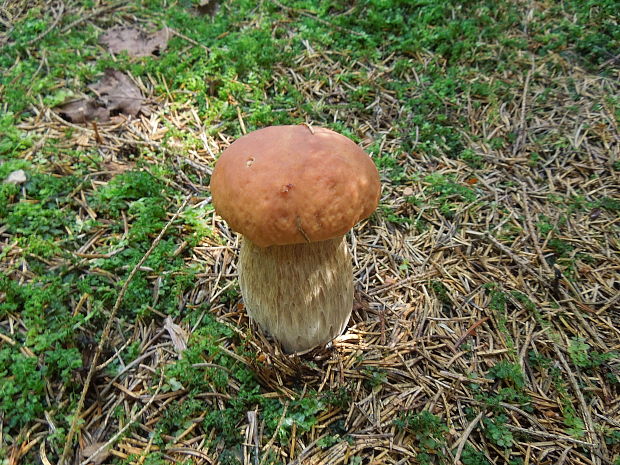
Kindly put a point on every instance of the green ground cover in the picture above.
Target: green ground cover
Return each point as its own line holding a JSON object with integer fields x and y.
{"x": 494, "y": 125}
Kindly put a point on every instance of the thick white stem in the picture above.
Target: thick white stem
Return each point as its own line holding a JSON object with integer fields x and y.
{"x": 301, "y": 294}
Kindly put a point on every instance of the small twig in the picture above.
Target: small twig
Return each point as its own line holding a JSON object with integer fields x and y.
{"x": 519, "y": 142}
{"x": 609, "y": 303}
{"x": 585, "y": 410}
{"x": 526, "y": 267}
{"x": 97, "y": 135}
{"x": 133, "y": 419}
{"x": 544, "y": 434}
{"x": 49, "y": 29}
{"x": 241, "y": 123}
{"x": 304, "y": 453}
{"x": 275, "y": 434}
{"x": 309, "y": 128}
{"x": 188, "y": 39}
{"x": 146, "y": 450}
{"x": 128, "y": 367}
{"x": 610, "y": 61}
{"x": 106, "y": 332}
{"x": 196, "y": 165}
{"x": 463, "y": 439}
{"x": 92, "y": 15}
{"x": 532, "y": 232}
{"x": 252, "y": 424}
{"x": 316, "y": 18}
{"x": 468, "y": 333}
{"x": 562, "y": 458}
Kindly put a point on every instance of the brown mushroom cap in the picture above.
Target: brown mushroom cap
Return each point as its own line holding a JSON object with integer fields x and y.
{"x": 294, "y": 184}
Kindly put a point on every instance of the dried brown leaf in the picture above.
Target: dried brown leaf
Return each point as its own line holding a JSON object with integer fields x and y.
{"x": 117, "y": 94}
{"x": 83, "y": 111}
{"x": 177, "y": 334}
{"x": 135, "y": 42}
{"x": 98, "y": 458}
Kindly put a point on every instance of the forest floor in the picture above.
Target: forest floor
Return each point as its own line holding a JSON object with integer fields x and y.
{"x": 486, "y": 322}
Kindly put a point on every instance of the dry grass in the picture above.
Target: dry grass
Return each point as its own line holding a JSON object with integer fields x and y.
{"x": 424, "y": 323}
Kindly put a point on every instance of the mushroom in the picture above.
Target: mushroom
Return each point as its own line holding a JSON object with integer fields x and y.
{"x": 293, "y": 192}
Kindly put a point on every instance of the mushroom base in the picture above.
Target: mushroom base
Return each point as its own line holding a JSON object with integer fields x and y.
{"x": 301, "y": 294}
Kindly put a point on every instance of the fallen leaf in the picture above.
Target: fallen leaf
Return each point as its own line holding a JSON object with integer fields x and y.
{"x": 178, "y": 335}
{"x": 83, "y": 111}
{"x": 16, "y": 177}
{"x": 116, "y": 94}
{"x": 207, "y": 7}
{"x": 100, "y": 457}
{"x": 135, "y": 42}
{"x": 114, "y": 167}
{"x": 471, "y": 330}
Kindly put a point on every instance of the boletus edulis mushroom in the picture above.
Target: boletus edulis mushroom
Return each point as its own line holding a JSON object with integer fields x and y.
{"x": 293, "y": 192}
